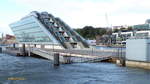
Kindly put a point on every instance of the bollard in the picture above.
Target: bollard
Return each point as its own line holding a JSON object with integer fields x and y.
{"x": 56, "y": 59}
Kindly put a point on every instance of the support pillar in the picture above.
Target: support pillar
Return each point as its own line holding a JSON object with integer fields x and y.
{"x": 23, "y": 49}
{"x": 67, "y": 59}
{"x": 56, "y": 59}
{"x": 29, "y": 50}
{"x": 122, "y": 58}
{"x": 123, "y": 62}
{"x": 14, "y": 45}
{"x": 0, "y": 49}
{"x": 35, "y": 45}
{"x": 42, "y": 46}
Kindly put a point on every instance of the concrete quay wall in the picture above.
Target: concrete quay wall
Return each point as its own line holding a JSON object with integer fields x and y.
{"x": 138, "y": 64}
{"x": 135, "y": 64}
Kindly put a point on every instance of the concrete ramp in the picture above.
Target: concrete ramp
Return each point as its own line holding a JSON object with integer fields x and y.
{"x": 45, "y": 54}
{"x": 66, "y": 57}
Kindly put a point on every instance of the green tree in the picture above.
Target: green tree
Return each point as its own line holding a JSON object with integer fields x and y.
{"x": 130, "y": 28}
{"x": 115, "y": 30}
{"x": 90, "y": 32}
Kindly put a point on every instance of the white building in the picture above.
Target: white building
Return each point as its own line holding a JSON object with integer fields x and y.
{"x": 123, "y": 36}
{"x": 119, "y": 27}
{"x": 91, "y": 42}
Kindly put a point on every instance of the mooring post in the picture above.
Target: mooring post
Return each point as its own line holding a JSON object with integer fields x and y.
{"x": 56, "y": 59}
{"x": 23, "y": 49}
{"x": 123, "y": 58}
{"x": 0, "y": 49}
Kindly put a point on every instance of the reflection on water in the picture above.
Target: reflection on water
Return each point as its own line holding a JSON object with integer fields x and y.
{"x": 40, "y": 71}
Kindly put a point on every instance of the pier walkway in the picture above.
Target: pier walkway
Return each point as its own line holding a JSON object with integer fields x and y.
{"x": 74, "y": 56}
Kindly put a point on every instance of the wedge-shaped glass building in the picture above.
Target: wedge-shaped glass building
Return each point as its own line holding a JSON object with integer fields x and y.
{"x": 44, "y": 28}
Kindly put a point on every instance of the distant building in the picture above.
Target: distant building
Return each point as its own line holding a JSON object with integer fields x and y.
{"x": 91, "y": 42}
{"x": 145, "y": 26}
{"x": 121, "y": 37}
{"x": 142, "y": 27}
{"x": 105, "y": 40}
{"x": 98, "y": 40}
{"x": 118, "y": 27}
{"x": 8, "y": 39}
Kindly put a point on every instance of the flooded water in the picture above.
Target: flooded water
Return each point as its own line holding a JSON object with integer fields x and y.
{"x": 40, "y": 71}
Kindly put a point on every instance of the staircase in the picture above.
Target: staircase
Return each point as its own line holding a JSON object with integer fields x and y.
{"x": 66, "y": 36}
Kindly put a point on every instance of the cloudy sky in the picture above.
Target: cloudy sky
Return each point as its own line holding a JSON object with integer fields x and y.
{"x": 78, "y": 13}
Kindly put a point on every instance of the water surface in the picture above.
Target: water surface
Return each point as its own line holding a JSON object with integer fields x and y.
{"x": 41, "y": 71}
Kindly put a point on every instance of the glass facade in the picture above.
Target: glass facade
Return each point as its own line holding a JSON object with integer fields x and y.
{"x": 142, "y": 27}
{"x": 44, "y": 28}
{"x": 29, "y": 30}
{"x": 146, "y": 34}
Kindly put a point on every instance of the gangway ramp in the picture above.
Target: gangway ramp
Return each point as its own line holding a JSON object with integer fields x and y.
{"x": 70, "y": 56}
{"x": 44, "y": 54}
